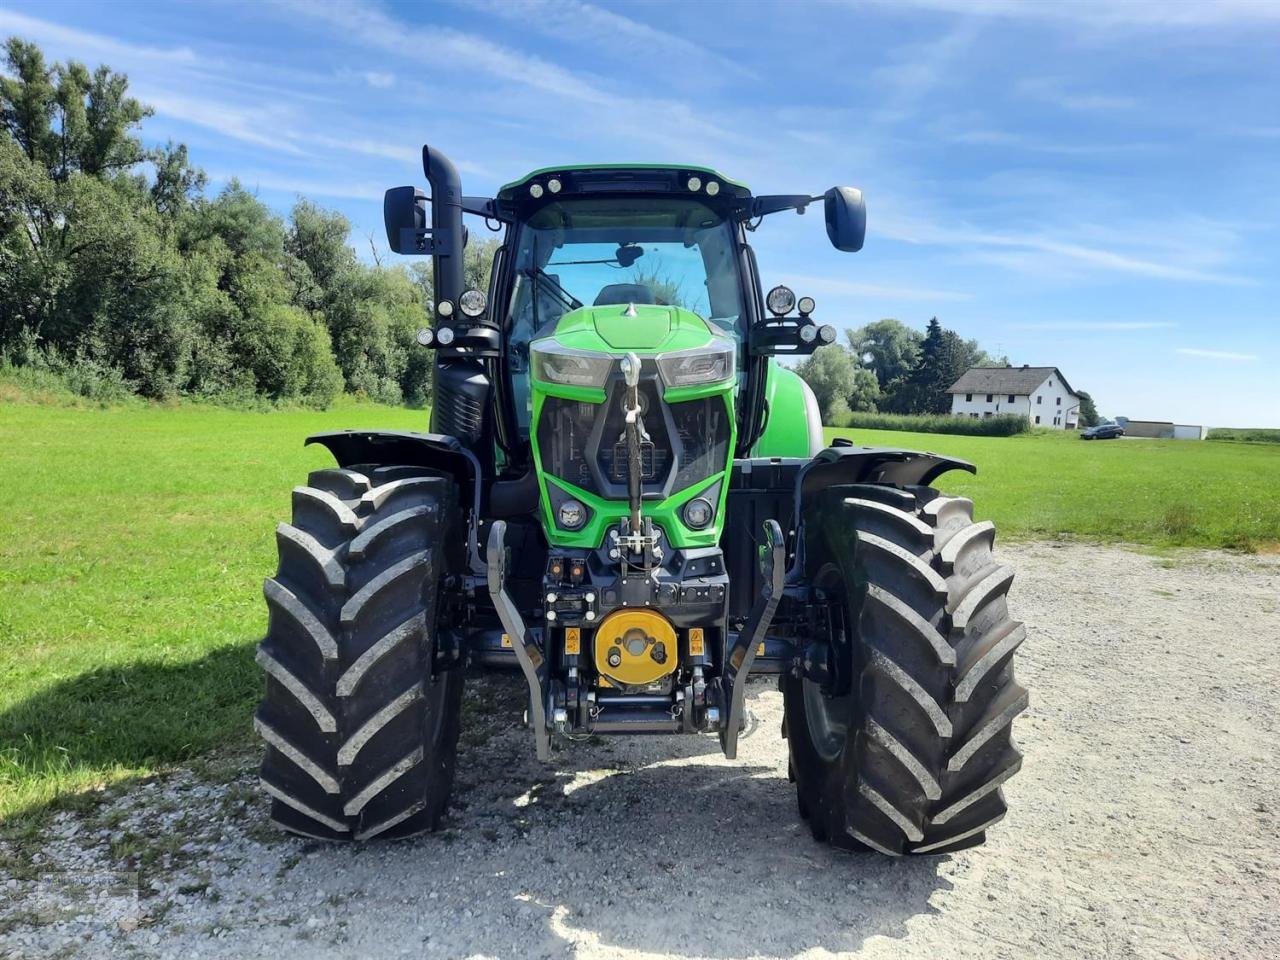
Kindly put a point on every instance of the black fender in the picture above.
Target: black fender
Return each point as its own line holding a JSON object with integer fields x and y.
{"x": 775, "y": 488}
{"x": 849, "y": 464}
{"x": 436, "y": 451}
{"x": 841, "y": 464}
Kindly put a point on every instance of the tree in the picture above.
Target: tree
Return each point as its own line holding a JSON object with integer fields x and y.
{"x": 920, "y": 390}
{"x": 177, "y": 184}
{"x": 865, "y": 394}
{"x": 889, "y": 348}
{"x": 829, "y": 371}
{"x": 66, "y": 119}
{"x": 1088, "y": 411}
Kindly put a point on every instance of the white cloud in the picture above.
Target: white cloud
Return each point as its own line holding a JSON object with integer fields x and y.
{"x": 382, "y": 81}
{"x": 262, "y": 127}
{"x": 1058, "y": 92}
{"x": 302, "y": 186}
{"x": 608, "y": 31}
{"x": 88, "y": 44}
{"x": 1217, "y": 354}
{"x": 851, "y": 288}
{"x": 1102, "y": 14}
{"x": 576, "y": 100}
{"x": 1101, "y": 326}
{"x": 1153, "y": 250}
{"x": 916, "y": 69}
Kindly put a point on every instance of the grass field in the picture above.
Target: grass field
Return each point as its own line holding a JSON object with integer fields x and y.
{"x": 134, "y": 545}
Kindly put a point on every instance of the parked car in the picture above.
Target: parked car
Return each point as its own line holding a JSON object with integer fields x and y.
{"x": 1103, "y": 431}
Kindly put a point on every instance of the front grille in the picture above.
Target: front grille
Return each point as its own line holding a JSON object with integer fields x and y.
{"x": 653, "y": 462}
{"x": 585, "y": 443}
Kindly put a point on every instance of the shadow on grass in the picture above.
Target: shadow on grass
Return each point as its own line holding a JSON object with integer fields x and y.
{"x": 124, "y": 718}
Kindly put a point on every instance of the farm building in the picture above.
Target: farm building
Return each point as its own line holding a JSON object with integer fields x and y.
{"x": 1162, "y": 429}
{"x": 1041, "y": 394}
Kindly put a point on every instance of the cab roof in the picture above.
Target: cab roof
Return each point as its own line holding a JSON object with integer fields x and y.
{"x": 632, "y": 178}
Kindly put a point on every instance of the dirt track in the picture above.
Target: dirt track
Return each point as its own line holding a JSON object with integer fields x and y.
{"x": 1144, "y": 823}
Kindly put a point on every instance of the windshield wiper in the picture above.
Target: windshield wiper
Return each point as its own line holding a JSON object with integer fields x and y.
{"x": 537, "y": 273}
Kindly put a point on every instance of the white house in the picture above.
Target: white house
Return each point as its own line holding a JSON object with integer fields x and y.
{"x": 1041, "y": 394}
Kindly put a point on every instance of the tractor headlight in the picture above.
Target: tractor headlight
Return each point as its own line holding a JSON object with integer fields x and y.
{"x": 571, "y": 514}
{"x": 688, "y": 368}
{"x": 554, "y": 363}
{"x": 472, "y": 303}
{"x": 698, "y": 513}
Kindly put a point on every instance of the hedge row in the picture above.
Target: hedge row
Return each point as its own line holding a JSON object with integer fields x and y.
{"x": 1245, "y": 434}
{"x": 1001, "y": 425}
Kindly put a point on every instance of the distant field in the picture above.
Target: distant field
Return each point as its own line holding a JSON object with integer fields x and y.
{"x": 1159, "y": 492}
{"x": 1245, "y": 434}
{"x": 135, "y": 540}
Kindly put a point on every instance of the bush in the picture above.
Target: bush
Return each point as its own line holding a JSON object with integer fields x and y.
{"x": 1002, "y": 425}
{"x": 839, "y": 415}
{"x": 1245, "y": 434}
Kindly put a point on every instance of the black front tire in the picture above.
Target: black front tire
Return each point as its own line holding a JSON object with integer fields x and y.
{"x": 911, "y": 757}
{"x": 361, "y": 735}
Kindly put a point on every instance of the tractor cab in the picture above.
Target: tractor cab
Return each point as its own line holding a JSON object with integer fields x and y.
{"x": 611, "y": 235}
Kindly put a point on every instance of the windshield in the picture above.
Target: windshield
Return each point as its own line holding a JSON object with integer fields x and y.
{"x": 675, "y": 252}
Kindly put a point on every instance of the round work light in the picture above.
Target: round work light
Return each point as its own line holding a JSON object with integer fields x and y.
{"x": 472, "y": 303}
{"x": 781, "y": 301}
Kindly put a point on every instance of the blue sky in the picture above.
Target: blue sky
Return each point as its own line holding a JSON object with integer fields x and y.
{"x": 1093, "y": 185}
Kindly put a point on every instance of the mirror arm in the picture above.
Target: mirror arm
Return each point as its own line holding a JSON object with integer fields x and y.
{"x": 485, "y": 207}
{"x": 773, "y": 203}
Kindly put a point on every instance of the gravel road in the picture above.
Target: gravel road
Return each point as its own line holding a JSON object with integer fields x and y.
{"x": 1144, "y": 823}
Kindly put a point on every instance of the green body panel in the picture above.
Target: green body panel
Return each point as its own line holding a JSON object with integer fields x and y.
{"x": 652, "y": 331}
{"x": 506, "y": 190}
{"x": 789, "y": 427}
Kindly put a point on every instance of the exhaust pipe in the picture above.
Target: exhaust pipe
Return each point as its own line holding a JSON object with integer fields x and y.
{"x": 446, "y": 221}
{"x": 460, "y": 407}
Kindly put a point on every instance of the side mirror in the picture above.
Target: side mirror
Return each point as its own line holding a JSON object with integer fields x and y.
{"x": 846, "y": 218}
{"x": 404, "y": 211}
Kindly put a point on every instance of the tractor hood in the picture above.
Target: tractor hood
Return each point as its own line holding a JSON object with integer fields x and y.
{"x": 642, "y": 328}
{"x": 688, "y": 373}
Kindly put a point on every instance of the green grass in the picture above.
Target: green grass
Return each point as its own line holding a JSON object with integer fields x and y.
{"x": 134, "y": 542}
{"x": 1245, "y": 434}
{"x": 133, "y": 545}
{"x": 1164, "y": 493}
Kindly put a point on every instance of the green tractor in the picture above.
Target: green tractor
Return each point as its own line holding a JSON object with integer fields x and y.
{"x": 626, "y": 499}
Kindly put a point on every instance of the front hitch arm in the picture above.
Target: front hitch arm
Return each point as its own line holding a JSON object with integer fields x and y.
{"x": 532, "y": 661}
{"x": 733, "y": 684}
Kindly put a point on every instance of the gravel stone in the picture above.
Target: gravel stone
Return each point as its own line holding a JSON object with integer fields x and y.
{"x": 1142, "y": 825}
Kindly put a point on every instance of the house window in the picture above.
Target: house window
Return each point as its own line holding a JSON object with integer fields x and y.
{"x": 988, "y": 414}
{"x": 1051, "y": 383}
{"x": 1038, "y": 399}
{"x": 1011, "y": 398}
{"x": 1037, "y": 419}
{"x": 990, "y": 397}
{"x": 968, "y": 398}
{"x": 1059, "y": 401}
